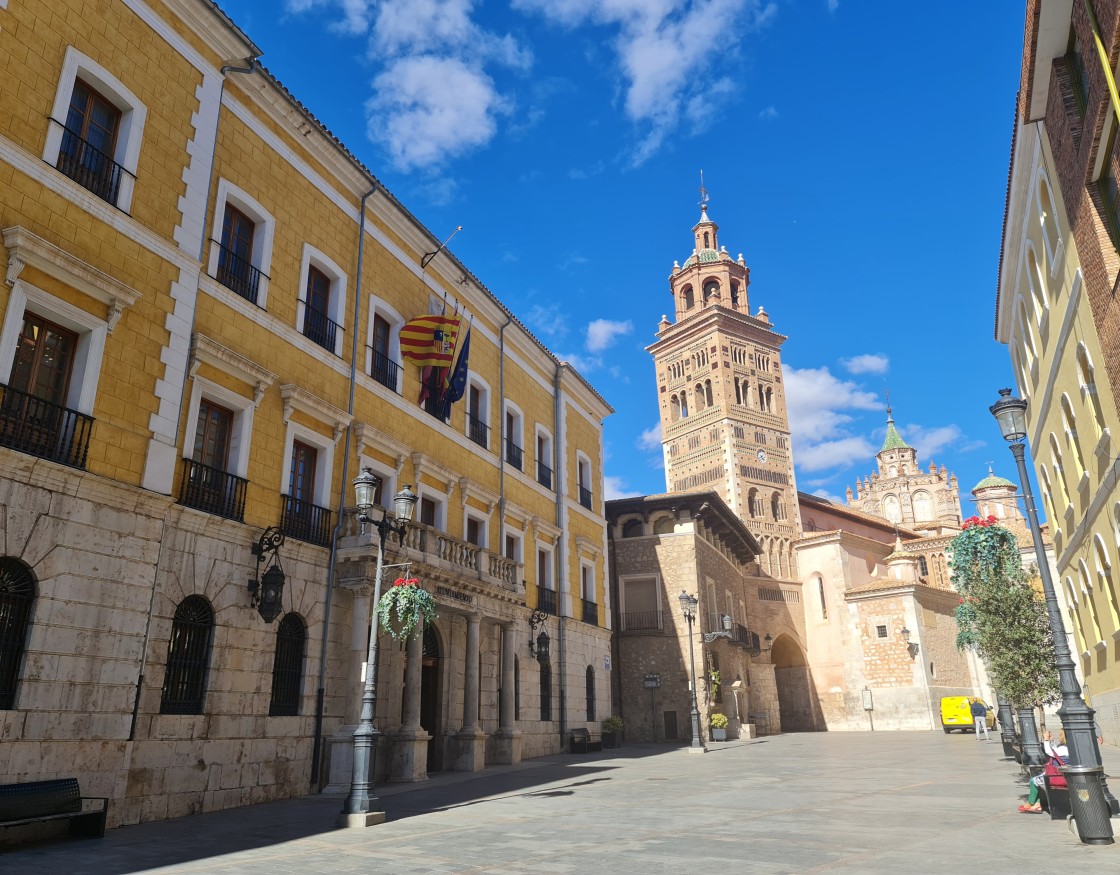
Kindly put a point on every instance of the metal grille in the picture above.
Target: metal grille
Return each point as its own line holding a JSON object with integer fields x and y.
{"x": 479, "y": 431}
{"x": 384, "y": 369}
{"x": 641, "y": 621}
{"x": 88, "y": 166}
{"x": 318, "y": 327}
{"x": 590, "y": 612}
{"x": 546, "y": 601}
{"x": 585, "y": 497}
{"x": 287, "y": 666}
{"x": 514, "y": 455}
{"x": 17, "y": 594}
{"x": 305, "y": 521}
{"x": 238, "y": 274}
{"x": 546, "y": 691}
{"x": 544, "y": 475}
{"x": 188, "y": 657}
{"x": 590, "y": 686}
{"x": 212, "y": 490}
{"x": 39, "y": 428}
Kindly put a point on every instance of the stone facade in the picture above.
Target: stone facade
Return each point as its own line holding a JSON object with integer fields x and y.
{"x": 181, "y": 303}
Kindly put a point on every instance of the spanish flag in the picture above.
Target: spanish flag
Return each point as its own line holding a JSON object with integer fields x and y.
{"x": 429, "y": 340}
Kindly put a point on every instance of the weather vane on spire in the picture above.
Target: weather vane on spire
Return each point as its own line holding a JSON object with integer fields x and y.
{"x": 703, "y": 193}
{"x": 888, "y": 403}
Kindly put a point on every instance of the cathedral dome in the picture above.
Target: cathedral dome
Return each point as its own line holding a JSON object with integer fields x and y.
{"x": 992, "y": 480}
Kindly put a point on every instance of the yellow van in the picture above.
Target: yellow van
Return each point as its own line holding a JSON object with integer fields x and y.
{"x": 956, "y": 713}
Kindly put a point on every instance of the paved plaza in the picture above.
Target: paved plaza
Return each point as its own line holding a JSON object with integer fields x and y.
{"x": 892, "y": 802}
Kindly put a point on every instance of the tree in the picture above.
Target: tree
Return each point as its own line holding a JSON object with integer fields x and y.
{"x": 1002, "y": 614}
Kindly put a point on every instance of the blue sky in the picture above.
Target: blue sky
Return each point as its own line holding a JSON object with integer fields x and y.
{"x": 856, "y": 153}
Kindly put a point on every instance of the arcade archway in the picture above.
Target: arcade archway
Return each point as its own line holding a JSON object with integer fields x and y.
{"x": 797, "y": 698}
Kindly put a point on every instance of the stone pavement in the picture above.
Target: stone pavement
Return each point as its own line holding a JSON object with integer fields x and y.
{"x": 891, "y": 802}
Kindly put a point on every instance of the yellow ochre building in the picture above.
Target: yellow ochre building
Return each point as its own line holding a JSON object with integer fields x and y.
{"x": 199, "y": 342}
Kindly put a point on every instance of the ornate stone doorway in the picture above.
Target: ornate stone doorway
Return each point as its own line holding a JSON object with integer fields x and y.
{"x": 797, "y": 699}
{"x": 430, "y": 699}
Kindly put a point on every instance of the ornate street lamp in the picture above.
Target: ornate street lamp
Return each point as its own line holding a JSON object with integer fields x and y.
{"x": 362, "y": 799}
{"x": 1076, "y": 716}
{"x": 688, "y": 608}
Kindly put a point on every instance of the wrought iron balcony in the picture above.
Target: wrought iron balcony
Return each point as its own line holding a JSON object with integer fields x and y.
{"x": 305, "y": 521}
{"x": 319, "y": 328}
{"x": 585, "y": 497}
{"x": 88, "y": 166}
{"x": 547, "y": 601}
{"x": 515, "y": 455}
{"x": 478, "y": 431}
{"x": 544, "y": 475}
{"x": 213, "y": 490}
{"x": 237, "y": 273}
{"x": 590, "y": 612}
{"x": 642, "y": 621}
{"x": 384, "y": 370}
{"x": 39, "y": 428}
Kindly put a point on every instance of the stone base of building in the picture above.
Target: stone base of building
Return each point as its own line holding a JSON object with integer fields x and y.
{"x": 340, "y": 759}
{"x": 470, "y": 751}
{"x": 408, "y": 757}
{"x": 507, "y": 747}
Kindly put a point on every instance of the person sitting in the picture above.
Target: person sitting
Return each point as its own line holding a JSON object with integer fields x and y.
{"x": 1059, "y": 756}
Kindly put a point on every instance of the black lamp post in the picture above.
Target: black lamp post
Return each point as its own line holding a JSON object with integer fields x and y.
{"x": 688, "y": 608}
{"x": 1076, "y": 716}
{"x": 362, "y": 800}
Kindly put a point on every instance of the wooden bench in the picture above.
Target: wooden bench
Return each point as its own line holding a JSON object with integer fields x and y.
{"x": 45, "y": 801}
{"x": 581, "y": 740}
{"x": 1055, "y": 799}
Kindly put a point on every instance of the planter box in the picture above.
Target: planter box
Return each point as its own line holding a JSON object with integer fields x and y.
{"x": 719, "y": 734}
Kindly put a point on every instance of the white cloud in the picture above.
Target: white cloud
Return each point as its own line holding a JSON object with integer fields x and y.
{"x": 650, "y": 439}
{"x": 868, "y": 363}
{"x": 929, "y": 441}
{"x": 833, "y": 5}
{"x": 839, "y": 453}
{"x": 615, "y": 487}
{"x": 817, "y": 401}
{"x": 548, "y": 320}
{"x": 663, "y": 49}
{"x": 585, "y": 364}
{"x": 601, "y": 333}
{"x": 828, "y": 496}
{"x": 769, "y": 113}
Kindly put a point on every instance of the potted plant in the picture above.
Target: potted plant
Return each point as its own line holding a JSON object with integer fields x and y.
{"x": 719, "y": 727}
{"x": 612, "y": 731}
{"x": 406, "y": 609}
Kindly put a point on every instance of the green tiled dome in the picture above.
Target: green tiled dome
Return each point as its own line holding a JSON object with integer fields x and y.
{"x": 992, "y": 480}
{"x": 893, "y": 440}
{"x": 708, "y": 256}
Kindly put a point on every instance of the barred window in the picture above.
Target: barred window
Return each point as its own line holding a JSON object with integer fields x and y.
{"x": 17, "y": 595}
{"x": 590, "y": 685}
{"x": 516, "y": 688}
{"x": 287, "y": 666}
{"x": 546, "y": 691}
{"x": 188, "y": 657}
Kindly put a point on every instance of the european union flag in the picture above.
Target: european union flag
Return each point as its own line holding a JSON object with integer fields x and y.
{"x": 458, "y": 384}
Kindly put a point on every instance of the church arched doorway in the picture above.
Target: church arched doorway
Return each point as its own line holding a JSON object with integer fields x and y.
{"x": 796, "y": 696}
{"x": 430, "y": 698}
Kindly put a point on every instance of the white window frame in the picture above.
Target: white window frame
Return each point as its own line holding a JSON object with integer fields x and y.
{"x": 583, "y": 465}
{"x": 518, "y": 438}
{"x": 474, "y": 380}
{"x": 388, "y": 478}
{"x": 519, "y": 544}
{"x": 624, "y": 578}
{"x": 92, "y": 333}
{"x": 263, "y": 233}
{"x": 483, "y": 519}
{"x": 440, "y": 501}
{"x": 378, "y": 307}
{"x": 130, "y": 131}
{"x": 336, "y": 305}
{"x": 240, "y": 436}
{"x": 324, "y": 461}
{"x": 539, "y": 432}
{"x": 550, "y": 551}
{"x": 591, "y": 583}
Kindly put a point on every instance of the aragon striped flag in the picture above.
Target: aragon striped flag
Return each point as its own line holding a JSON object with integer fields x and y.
{"x": 429, "y": 340}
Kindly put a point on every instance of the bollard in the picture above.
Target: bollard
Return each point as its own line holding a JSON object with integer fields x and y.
{"x": 1088, "y": 804}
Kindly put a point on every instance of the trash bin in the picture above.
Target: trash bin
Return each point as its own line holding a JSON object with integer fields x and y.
{"x": 1088, "y": 803}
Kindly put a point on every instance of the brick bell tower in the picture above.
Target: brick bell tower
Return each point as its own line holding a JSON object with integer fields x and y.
{"x": 724, "y": 425}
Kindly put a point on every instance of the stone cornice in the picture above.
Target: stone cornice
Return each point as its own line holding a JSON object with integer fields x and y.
{"x": 423, "y": 464}
{"x": 469, "y": 489}
{"x": 370, "y": 436}
{"x": 207, "y": 351}
{"x": 296, "y": 398}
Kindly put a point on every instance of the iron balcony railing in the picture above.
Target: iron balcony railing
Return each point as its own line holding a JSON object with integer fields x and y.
{"x": 237, "y": 273}
{"x": 478, "y": 430}
{"x": 384, "y": 370}
{"x": 213, "y": 490}
{"x": 544, "y": 475}
{"x": 590, "y": 612}
{"x": 514, "y": 455}
{"x": 547, "y": 601}
{"x": 319, "y": 328}
{"x": 39, "y": 428}
{"x": 305, "y": 521}
{"x": 642, "y": 621}
{"x": 585, "y": 497}
{"x": 88, "y": 166}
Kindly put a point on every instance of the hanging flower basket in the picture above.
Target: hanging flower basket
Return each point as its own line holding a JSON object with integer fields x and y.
{"x": 406, "y": 608}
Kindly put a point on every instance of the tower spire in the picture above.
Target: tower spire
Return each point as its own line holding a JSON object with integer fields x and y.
{"x": 703, "y": 198}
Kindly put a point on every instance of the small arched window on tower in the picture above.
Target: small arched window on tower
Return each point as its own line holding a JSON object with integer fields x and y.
{"x": 708, "y": 392}
{"x": 735, "y": 295}
{"x": 776, "y": 506}
{"x": 765, "y": 398}
{"x": 686, "y": 298}
{"x": 674, "y": 408}
{"x": 711, "y": 291}
{"x": 699, "y": 397}
{"x": 922, "y": 510}
{"x": 707, "y": 241}
{"x": 752, "y": 502}
{"x": 738, "y": 391}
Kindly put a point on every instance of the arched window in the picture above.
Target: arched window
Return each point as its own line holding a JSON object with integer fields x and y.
{"x": 753, "y": 504}
{"x": 699, "y": 397}
{"x": 1088, "y": 383}
{"x": 738, "y": 391}
{"x": 287, "y": 666}
{"x": 1047, "y": 492}
{"x": 674, "y": 408}
{"x": 1037, "y": 284}
{"x": 632, "y": 529}
{"x": 1104, "y": 579}
{"x": 735, "y": 295}
{"x": 824, "y": 603}
{"x": 711, "y": 290}
{"x": 188, "y": 657}
{"x": 546, "y": 691}
{"x": 892, "y": 509}
{"x": 1026, "y": 331}
{"x": 1072, "y": 443}
{"x": 665, "y": 525}
{"x": 1087, "y": 591}
{"x": 589, "y": 684}
{"x": 923, "y": 566}
{"x": 776, "y": 506}
{"x": 1049, "y": 222}
{"x": 686, "y": 298}
{"x": 922, "y": 507}
{"x": 17, "y": 596}
{"x": 892, "y": 471}
{"x": 708, "y": 392}
{"x": 1059, "y": 471}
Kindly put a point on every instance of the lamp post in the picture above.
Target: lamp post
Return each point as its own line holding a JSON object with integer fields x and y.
{"x": 1076, "y": 716}
{"x": 688, "y": 608}
{"x": 362, "y": 800}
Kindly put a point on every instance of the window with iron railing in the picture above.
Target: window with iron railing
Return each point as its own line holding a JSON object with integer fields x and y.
{"x": 514, "y": 455}
{"x": 641, "y": 621}
{"x": 88, "y": 139}
{"x": 544, "y": 475}
{"x": 585, "y": 497}
{"x": 39, "y": 428}
{"x": 188, "y": 657}
{"x": 384, "y": 370}
{"x": 287, "y": 666}
{"x": 305, "y": 521}
{"x": 590, "y": 612}
{"x": 237, "y": 273}
{"x": 547, "y": 601}
{"x": 478, "y": 430}
{"x": 319, "y": 328}
{"x": 213, "y": 490}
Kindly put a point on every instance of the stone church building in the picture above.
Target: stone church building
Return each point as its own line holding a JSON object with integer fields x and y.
{"x": 846, "y": 611}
